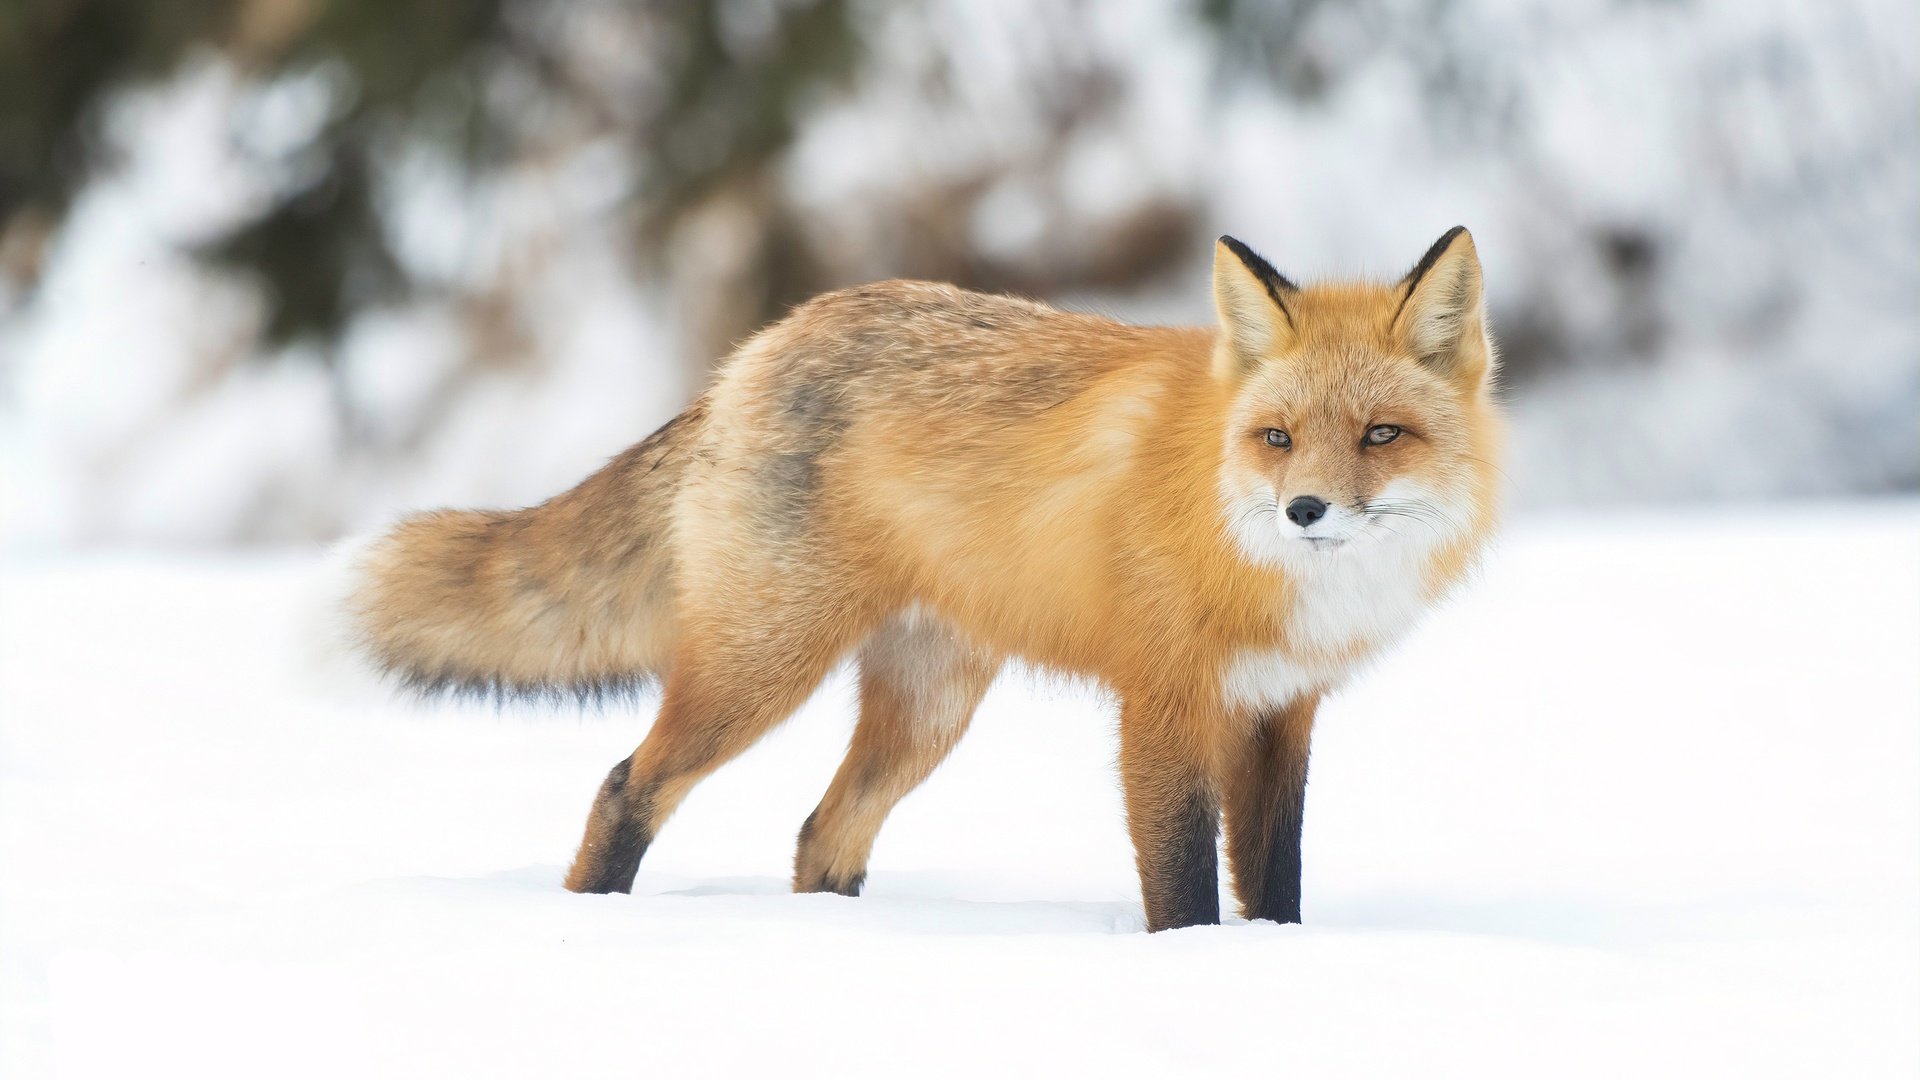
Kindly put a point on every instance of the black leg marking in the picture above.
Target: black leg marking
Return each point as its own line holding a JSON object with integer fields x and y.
{"x": 620, "y": 835}
{"x": 1276, "y": 893}
{"x": 1264, "y": 820}
{"x": 1184, "y": 882}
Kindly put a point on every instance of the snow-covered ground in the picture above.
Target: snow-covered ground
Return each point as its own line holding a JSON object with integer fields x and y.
{"x": 1644, "y": 802}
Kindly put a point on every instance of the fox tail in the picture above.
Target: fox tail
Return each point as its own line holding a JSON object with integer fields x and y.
{"x": 570, "y": 598}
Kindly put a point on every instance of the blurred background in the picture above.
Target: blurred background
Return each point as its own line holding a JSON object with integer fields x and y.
{"x": 273, "y": 270}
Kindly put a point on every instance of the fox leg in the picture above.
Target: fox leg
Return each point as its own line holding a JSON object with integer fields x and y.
{"x": 1173, "y": 814}
{"x": 1266, "y": 796}
{"x": 919, "y": 684}
{"x": 723, "y": 692}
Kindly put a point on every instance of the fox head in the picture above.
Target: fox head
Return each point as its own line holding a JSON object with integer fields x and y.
{"x": 1358, "y": 415}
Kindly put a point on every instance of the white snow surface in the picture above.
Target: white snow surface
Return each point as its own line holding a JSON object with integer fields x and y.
{"x": 1644, "y": 801}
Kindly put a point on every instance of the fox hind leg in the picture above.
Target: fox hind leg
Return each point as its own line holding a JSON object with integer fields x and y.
{"x": 920, "y": 681}
{"x": 724, "y": 691}
{"x": 619, "y": 831}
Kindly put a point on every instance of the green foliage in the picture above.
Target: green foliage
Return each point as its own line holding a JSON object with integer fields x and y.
{"x": 59, "y": 62}
{"x": 727, "y": 112}
{"x": 718, "y": 111}
{"x": 1264, "y": 38}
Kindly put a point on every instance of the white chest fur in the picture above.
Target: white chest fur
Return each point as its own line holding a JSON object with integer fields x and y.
{"x": 1346, "y": 606}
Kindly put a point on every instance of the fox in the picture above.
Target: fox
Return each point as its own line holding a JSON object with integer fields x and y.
{"x": 1218, "y": 525}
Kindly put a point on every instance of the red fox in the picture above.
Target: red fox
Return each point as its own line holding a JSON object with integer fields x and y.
{"x": 1218, "y": 524}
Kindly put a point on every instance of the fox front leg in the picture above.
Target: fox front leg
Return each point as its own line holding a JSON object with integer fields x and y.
{"x": 1174, "y": 818}
{"x": 1266, "y": 792}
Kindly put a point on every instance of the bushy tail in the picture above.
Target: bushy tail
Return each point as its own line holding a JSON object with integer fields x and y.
{"x": 570, "y": 597}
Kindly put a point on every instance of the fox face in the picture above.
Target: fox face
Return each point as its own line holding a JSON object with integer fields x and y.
{"x": 1358, "y": 416}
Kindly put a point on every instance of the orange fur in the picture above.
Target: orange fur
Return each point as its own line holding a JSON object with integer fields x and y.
{"x": 941, "y": 480}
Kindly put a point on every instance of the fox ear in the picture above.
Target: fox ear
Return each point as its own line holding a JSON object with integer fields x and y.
{"x": 1442, "y": 316}
{"x": 1251, "y": 299}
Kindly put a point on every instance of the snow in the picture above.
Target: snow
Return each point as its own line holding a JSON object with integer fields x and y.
{"x": 1643, "y": 801}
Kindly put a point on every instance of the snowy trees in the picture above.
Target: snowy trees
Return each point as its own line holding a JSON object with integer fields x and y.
{"x": 270, "y": 268}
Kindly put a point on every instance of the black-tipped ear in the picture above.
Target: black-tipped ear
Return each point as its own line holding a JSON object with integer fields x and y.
{"x": 1251, "y": 298}
{"x": 1275, "y": 282}
{"x": 1441, "y": 314}
{"x": 1439, "y": 248}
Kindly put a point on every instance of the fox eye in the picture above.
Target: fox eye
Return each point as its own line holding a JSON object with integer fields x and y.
{"x": 1382, "y": 434}
{"x": 1276, "y": 437}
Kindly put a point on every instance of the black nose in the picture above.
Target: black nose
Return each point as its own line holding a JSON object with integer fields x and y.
{"x": 1306, "y": 510}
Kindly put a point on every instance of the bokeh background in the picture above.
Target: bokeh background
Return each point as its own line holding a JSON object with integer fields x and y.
{"x": 273, "y": 270}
